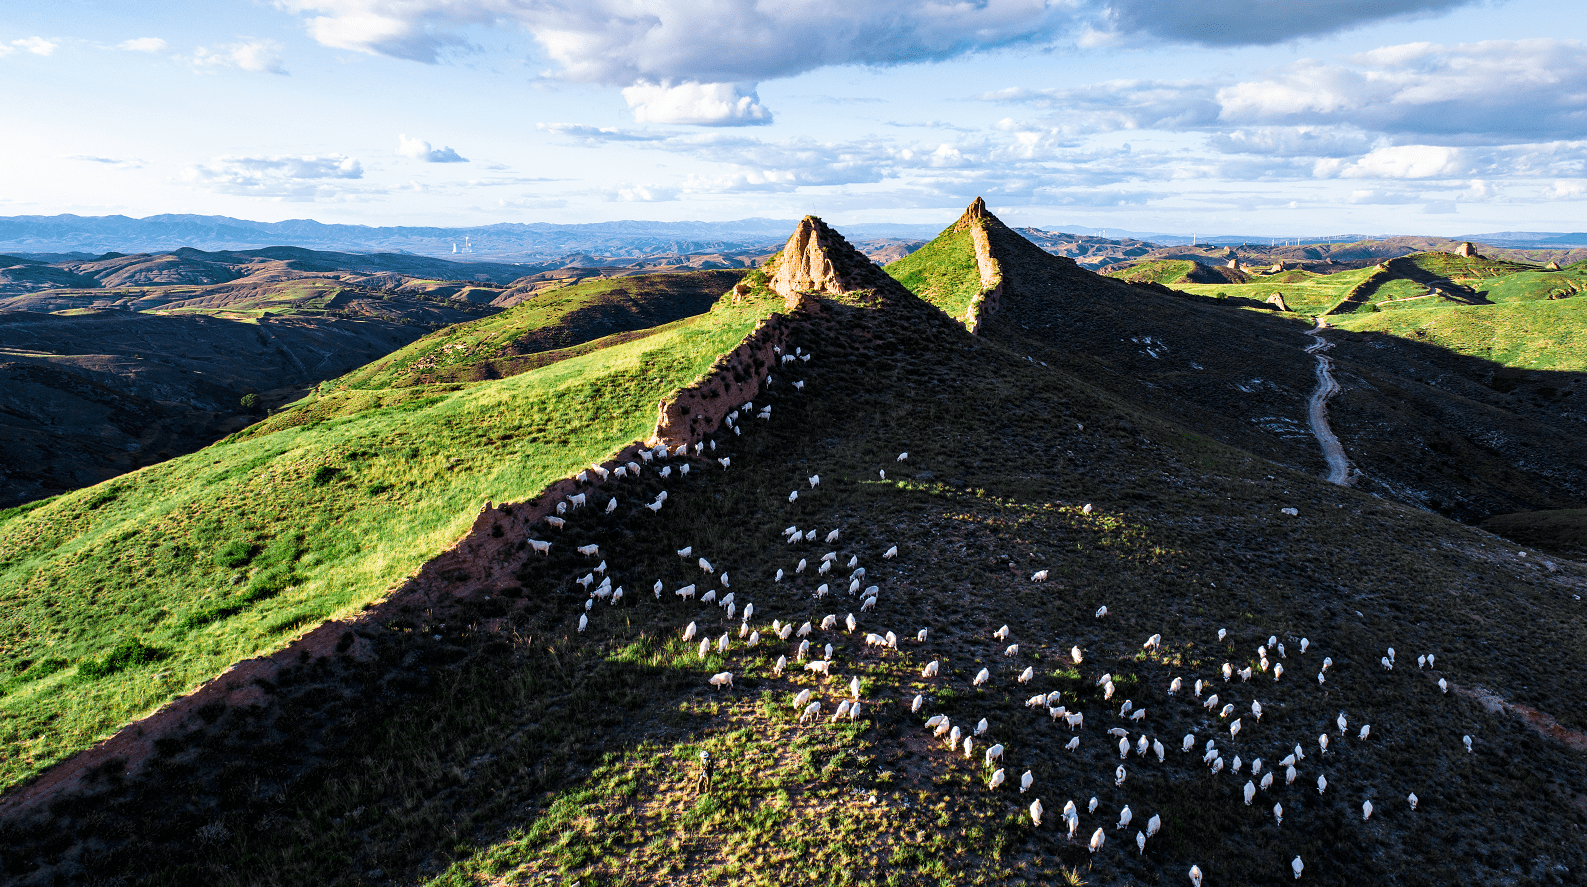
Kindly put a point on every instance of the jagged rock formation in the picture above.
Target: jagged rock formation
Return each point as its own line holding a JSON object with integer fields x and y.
{"x": 1277, "y": 301}
{"x": 1468, "y": 250}
{"x": 818, "y": 259}
{"x": 977, "y": 220}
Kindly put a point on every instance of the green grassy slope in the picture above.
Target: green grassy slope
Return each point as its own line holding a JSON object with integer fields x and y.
{"x": 115, "y": 597}
{"x": 943, "y": 272}
{"x": 1545, "y": 335}
{"x": 516, "y": 340}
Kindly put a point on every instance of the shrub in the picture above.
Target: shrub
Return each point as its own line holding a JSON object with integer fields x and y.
{"x": 129, "y": 653}
{"x": 324, "y": 475}
{"x": 249, "y": 402}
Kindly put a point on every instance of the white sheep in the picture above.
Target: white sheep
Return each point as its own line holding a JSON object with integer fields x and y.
{"x": 890, "y": 553}
{"x": 724, "y": 679}
{"x": 1039, "y": 576}
{"x": 689, "y": 632}
{"x": 811, "y": 712}
{"x": 542, "y": 547}
{"x": 584, "y": 621}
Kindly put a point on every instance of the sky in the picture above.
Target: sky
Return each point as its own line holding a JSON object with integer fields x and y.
{"x": 1266, "y": 117}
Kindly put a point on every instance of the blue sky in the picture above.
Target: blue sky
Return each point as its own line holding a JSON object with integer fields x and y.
{"x": 1271, "y": 117}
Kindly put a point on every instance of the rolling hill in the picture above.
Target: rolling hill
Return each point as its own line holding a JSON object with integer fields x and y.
{"x": 1082, "y": 470}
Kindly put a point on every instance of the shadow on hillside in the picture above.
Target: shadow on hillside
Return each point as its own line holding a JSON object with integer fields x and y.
{"x": 349, "y": 769}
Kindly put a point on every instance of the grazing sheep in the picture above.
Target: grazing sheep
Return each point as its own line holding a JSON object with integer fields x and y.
{"x": 709, "y": 597}
{"x": 811, "y": 712}
{"x": 930, "y": 671}
{"x": 785, "y": 632}
{"x": 655, "y": 507}
{"x": 1289, "y": 775}
{"x": 724, "y": 679}
{"x": 842, "y": 709}
{"x": 1119, "y": 775}
{"x": 1211, "y": 703}
{"x": 1139, "y": 715}
{"x": 585, "y": 580}
{"x": 1073, "y": 744}
{"x": 793, "y": 496}
{"x": 819, "y": 666}
{"x": 982, "y": 677}
{"x": 600, "y": 471}
{"x": 954, "y": 735}
{"x": 1155, "y": 642}
{"x": 1039, "y": 576}
{"x": 584, "y": 621}
{"x": 890, "y": 553}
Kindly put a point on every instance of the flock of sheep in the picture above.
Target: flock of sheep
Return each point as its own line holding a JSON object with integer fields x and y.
{"x": 1231, "y": 698}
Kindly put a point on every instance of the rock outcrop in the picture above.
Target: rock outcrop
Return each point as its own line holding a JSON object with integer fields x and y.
{"x": 816, "y": 259}
{"x": 1468, "y": 250}
{"x": 976, "y": 220}
{"x": 1277, "y": 301}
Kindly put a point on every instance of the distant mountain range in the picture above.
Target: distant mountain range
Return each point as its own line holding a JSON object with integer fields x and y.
{"x": 539, "y": 242}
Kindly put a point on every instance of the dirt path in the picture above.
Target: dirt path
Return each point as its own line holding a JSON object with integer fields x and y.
{"x": 1317, "y": 408}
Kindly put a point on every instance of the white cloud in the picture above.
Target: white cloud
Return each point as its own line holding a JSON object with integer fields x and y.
{"x": 420, "y": 150}
{"x": 306, "y": 177}
{"x": 1566, "y": 189}
{"x": 1399, "y": 162}
{"x": 118, "y": 162}
{"x": 35, "y": 45}
{"x": 144, "y": 44}
{"x": 705, "y": 104}
{"x": 647, "y": 194}
{"x": 248, "y": 54}
{"x": 1375, "y": 196}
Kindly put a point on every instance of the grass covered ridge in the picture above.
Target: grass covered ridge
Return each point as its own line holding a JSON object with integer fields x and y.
{"x": 497, "y": 346}
{"x": 120, "y": 596}
{"x": 1539, "y": 335}
{"x": 943, "y": 272}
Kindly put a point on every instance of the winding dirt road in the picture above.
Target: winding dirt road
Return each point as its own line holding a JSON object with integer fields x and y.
{"x": 1317, "y": 408}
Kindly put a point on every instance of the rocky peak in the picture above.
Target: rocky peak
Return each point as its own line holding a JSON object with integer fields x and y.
{"x": 818, "y": 259}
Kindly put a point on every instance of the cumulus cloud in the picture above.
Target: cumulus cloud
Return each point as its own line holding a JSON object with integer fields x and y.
{"x": 144, "y": 44}
{"x": 1399, "y": 162}
{"x": 420, "y": 150}
{"x": 1566, "y": 189}
{"x": 305, "y": 177}
{"x": 706, "y": 104}
{"x": 248, "y": 54}
{"x": 35, "y": 45}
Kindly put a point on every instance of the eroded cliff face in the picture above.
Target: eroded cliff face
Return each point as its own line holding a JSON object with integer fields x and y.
{"x": 976, "y": 218}
{"x": 737, "y": 376}
{"x": 817, "y": 259}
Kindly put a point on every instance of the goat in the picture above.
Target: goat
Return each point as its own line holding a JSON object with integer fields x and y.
{"x": 542, "y": 547}
{"x": 920, "y": 636}
{"x": 811, "y": 712}
{"x": 706, "y": 566}
{"x": 819, "y": 666}
{"x": 833, "y": 536}
{"x": 1102, "y": 611}
{"x": 584, "y": 621}
{"x": 1035, "y": 812}
{"x": 829, "y": 622}
{"x": 724, "y": 679}
{"x": 981, "y": 677}
{"x": 1124, "y": 817}
{"x": 1026, "y": 781}
{"x": 686, "y": 591}
{"x": 1039, "y": 576}
{"x": 996, "y": 780}
{"x": 1027, "y": 674}
{"x": 890, "y": 553}
{"x": 725, "y": 460}
{"x": 590, "y": 550}
{"x": 995, "y": 753}
{"x": 930, "y": 671}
